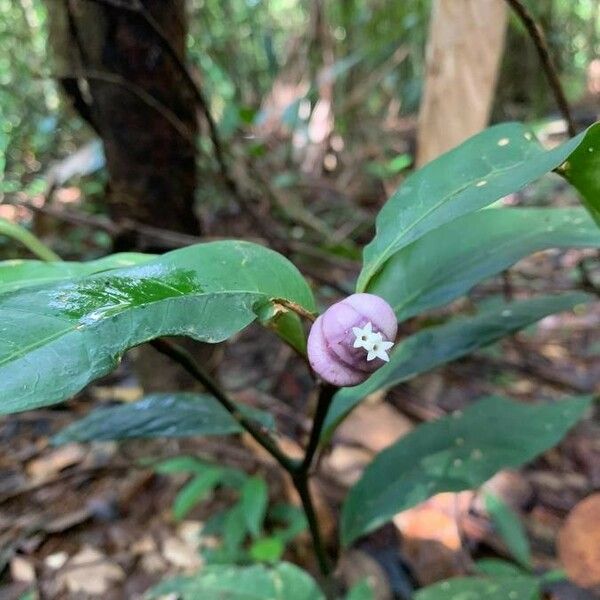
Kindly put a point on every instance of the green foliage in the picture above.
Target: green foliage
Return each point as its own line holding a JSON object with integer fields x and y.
{"x": 488, "y": 166}
{"x": 455, "y": 453}
{"x": 510, "y": 529}
{"x": 582, "y": 168}
{"x": 279, "y": 582}
{"x": 16, "y": 275}
{"x": 75, "y": 332}
{"x": 472, "y": 248}
{"x": 182, "y": 414}
{"x": 253, "y": 503}
{"x": 492, "y": 588}
{"x": 196, "y": 490}
{"x": 361, "y": 591}
{"x": 436, "y": 346}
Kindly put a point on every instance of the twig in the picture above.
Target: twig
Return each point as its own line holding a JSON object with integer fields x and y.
{"x": 180, "y": 356}
{"x": 537, "y": 35}
{"x": 295, "y": 307}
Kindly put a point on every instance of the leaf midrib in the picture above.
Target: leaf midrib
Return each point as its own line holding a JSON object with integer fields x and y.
{"x": 79, "y": 326}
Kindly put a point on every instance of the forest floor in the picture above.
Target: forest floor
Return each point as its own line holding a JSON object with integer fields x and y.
{"x": 79, "y": 521}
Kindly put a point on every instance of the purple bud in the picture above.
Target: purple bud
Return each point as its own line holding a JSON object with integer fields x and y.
{"x": 351, "y": 339}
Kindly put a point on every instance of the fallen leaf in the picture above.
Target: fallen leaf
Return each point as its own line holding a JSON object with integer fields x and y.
{"x": 90, "y": 572}
{"x": 579, "y": 543}
{"x": 55, "y": 461}
{"x": 431, "y": 540}
{"x": 21, "y": 569}
{"x": 180, "y": 554}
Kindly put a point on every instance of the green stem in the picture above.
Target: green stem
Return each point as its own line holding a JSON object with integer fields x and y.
{"x": 298, "y": 471}
{"x": 35, "y": 246}
{"x": 180, "y": 356}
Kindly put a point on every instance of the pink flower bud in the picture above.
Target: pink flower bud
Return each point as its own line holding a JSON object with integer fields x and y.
{"x": 351, "y": 339}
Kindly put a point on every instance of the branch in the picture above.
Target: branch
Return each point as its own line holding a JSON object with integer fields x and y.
{"x": 537, "y": 35}
{"x": 180, "y": 356}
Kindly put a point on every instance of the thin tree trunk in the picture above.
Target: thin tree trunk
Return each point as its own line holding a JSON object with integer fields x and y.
{"x": 466, "y": 39}
{"x": 121, "y": 79}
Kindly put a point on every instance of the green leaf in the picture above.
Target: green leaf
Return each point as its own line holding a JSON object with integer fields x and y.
{"x": 292, "y": 517}
{"x": 510, "y": 529}
{"x": 25, "y": 237}
{"x": 447, "y": 262}
{"x": 582, "y": 169}
{"x": 361, "y": 591}
{"x": 254, "y": 500}
{"x": 180, "y": 464}
{"x": 495, "y": 567}
{"x": 488, "y": 166}
{"x": 472, "y": 588}
{"x": 54, "y": 341}
{"x": 195, "y": 491}
{"x": 267, "y": 549}
{"x": 283, "y": 581}
{"x": 159, "y": 415}
{"x": 436, "y": 346}
{"x": 458, "y": 452}
{"x": 20, "y": 274}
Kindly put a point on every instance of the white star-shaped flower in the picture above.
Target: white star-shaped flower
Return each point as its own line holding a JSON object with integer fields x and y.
{"x": 372, "y": 342}
{"x": 379, "y": 350}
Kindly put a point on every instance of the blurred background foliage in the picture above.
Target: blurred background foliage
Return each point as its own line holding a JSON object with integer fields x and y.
{"x": 255, "y": 59}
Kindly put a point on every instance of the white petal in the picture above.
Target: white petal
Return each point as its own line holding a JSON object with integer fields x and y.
{"x": 371, "y": 355}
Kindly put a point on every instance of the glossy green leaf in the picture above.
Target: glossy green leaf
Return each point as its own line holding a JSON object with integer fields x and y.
{"x": 446, "y": 263}
{"x": 436, "y": 346}
{"x": 283, "y": 581}
{"x": 180, "y": 464}
{"x": 196, "y": 490}
{"x": 254, "y": 500}
{"x": 510, "y": 529}
{"x": 582, "y": 170}
{"x": 159, "y": 415}
{"x": 54, "y": 341}
{"x": 488, "y": 166}
{"x": 20, "y": 274}
{"x": 458, "y": 452}
{"x": 475, "y": 588}
{"x": 25, "y": 237}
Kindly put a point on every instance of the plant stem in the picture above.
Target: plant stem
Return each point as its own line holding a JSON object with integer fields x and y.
{"x": 180, "y": 356}
{"x": 325, "y": 397}
{"x": 537, "y": 35}
{"x": 298, "y": 471}
{"x": 300, "y": 480}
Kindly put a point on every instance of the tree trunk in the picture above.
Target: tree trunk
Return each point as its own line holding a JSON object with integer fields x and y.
{"x": 123, "y": 81}
{"x": 466, "y": 39}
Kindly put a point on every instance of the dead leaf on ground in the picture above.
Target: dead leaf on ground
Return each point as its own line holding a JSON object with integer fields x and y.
{"x": 22, "y": 569}
{"x": 431, "y": 539}
{"x": 90, "y": 572}
{"x": 180, "y": 554}
{"x": 579, "y": 542}
{"x": 55, "y": 461}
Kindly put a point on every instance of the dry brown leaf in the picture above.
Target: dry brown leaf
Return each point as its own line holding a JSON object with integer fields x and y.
{"x": 22, "y": 569}
{"x": 90, "y": 572}
{"x": 374, "y": 426}
{"x": 180, "y": 554}
{"x": 579, "y": 543}
{"x": 431, "y": 539}
{"x": 55, "y": 461}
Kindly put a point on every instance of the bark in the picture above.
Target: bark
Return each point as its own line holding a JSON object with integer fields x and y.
{"x": 122, "y": 80}
{"x": 466, "y": 40}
